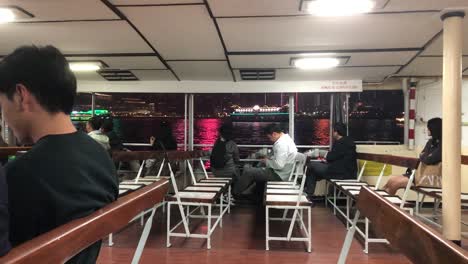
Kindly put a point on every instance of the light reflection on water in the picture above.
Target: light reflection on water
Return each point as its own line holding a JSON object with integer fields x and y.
{"x": 308, "y": 131}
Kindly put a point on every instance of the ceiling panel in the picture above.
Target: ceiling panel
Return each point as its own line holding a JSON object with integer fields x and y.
{"x": 62, "y": 9}
{"x": 74, "y": 37}
{"x": 427, "y": 66}
{"x": 88, "y": 76}
{"x": 202, "y": 70}
{"x": 153, "y": 2}
{"x": 368, "y": 74}
{"x": 178, "y": 32}
{"x": 154, "y": 75}
{"x": 356, "y": 59}
{"x": 327, "y": 33}
{"x": 436, "y": 47}
{"x": 408, "y": 5}
{"x": 146, "y": 62}
{"x": 262, "y": 7}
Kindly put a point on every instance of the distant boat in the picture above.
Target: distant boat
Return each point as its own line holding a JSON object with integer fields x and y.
{"x": 260, "y": 114}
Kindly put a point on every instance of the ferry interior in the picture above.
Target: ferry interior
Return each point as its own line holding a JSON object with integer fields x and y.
{"x": 302, "y": 63}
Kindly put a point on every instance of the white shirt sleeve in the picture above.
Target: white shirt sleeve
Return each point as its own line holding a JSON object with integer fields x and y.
{"x": 280, "y": 158}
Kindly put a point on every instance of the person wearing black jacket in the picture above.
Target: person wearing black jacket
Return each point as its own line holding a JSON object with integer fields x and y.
{"x": 341, "y": 161}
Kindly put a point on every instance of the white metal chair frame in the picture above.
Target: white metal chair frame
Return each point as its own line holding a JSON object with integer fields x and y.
{"x": 188, "y": 213}
{"x": 297, "y": 216}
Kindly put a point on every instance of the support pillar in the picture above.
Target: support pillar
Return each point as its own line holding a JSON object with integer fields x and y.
{"x": 411, "y": 114}
{"x": 191, "y": 121}
{"x": 451, "y": 125}
{"x": 404, "y": 87}
{"x": 291, "y": 115}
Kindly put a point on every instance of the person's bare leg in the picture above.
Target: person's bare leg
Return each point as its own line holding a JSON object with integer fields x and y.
{"x": 395, "y": 183}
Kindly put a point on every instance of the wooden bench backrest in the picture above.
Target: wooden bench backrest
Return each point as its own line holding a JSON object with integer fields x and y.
{"x": 406, "y": 162}
{"x": 64, "y": 242}
{"x": 417, "y": 241}
{"x": 125, "y": 156}
{"x": 185, "y": 155}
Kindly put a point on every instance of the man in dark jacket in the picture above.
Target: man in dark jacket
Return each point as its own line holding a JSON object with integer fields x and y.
{"x": 340, "y": 162}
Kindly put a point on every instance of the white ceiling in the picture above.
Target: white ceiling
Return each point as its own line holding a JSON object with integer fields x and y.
{"x": 196, "y": 40}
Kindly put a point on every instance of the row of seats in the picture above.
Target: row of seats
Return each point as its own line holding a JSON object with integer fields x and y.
{"x": 349, "y": 190}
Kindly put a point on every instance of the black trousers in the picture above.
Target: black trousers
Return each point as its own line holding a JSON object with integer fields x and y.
{"x": 316, "y": 171}
{"x": 253, "y": 174}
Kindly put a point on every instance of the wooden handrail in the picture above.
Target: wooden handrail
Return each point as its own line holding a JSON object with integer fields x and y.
{"x": 406, "y": 162}
{"x": 8, "y": 151}
{"x": 417, "y": 241}
{"x": 64, "y": 242}
{"x": 464, "y": 160}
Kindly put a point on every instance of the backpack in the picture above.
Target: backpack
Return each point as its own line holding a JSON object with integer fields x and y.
{"x": 218, "y": 155}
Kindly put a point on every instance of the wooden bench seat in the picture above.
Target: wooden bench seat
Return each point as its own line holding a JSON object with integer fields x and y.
{"x": 288, "y": 200}
{"x": 282, "y": 191}
{"x": 195, "y": 197}
{"x": 203, "y": 189}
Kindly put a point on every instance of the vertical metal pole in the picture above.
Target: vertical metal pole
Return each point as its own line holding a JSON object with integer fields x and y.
{"x": 412, "y": 114}
{"x": 291, "y": 115}
{"x": 191, "y": 108}
{"x": 346, "y": 119}
{"x": 451, "y": 125}
{"x": 185, "y": 121}
{"x": 404, "y": 85}
{"x": 331, "y": 119}
{"x": 93, "y": 103}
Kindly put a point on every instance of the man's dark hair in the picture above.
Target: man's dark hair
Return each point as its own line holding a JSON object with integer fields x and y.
{"x": 268, "y": 130}
{"x": 435, "y": 126}
{"x": 226, "y": 131}
{"x": 45, "y": 72}
{"x": 340, "y": 128}
{"x": 107, "y": 125}
{"x": 95, "y": 122}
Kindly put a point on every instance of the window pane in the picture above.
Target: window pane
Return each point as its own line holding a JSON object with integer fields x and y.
{"x": 312, "y": 119}
{"x": 377, "y": 116}
{"x": 137, "y": 116}
{"x": 248, "y": 113}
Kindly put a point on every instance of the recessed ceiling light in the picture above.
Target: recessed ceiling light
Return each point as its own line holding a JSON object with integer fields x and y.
{"x": 337, "y": 7}
{"x": 6, "y": 15}
{"x": 85, "y": 66}
{"x": 315, "y": 63}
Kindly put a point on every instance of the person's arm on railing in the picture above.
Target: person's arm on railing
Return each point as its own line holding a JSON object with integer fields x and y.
{"x": 4, "y": 217}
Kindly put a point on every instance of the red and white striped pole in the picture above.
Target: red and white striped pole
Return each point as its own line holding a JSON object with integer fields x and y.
{"x": 412, "y": 114}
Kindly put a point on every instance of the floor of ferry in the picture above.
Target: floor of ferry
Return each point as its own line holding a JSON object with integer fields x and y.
{"x": 242, "y": 240}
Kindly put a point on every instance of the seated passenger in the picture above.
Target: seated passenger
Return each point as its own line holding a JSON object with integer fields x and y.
{"x": 224, "y": 157}
{"x": 4, "y": 241}
{"x": 163, "y": 141}
{"x": 276, "y": 168}
{"x": 93, "y": 127}
{"x": 431, "y": 155}
{"x": 340, "y": 162}
{"x": 107, "y": 128}
{"x": 66, "y": 175}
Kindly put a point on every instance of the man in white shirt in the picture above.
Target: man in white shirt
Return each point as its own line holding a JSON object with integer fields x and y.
{"x": 93, "y": 128}
{"x": 276, "y": 168}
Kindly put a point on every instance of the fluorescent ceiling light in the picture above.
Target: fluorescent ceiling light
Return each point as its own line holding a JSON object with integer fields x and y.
{"x": 315, "y": 63}
{"x": 6, "y": 15}
{"x": 338, "y": 7}
{"x": 85, "y": 66}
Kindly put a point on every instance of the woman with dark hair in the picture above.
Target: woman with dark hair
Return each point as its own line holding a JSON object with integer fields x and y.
{"x": 224, "y": 157}
{"x": 164, "y": 139}
{"x": 431, "y": 155}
